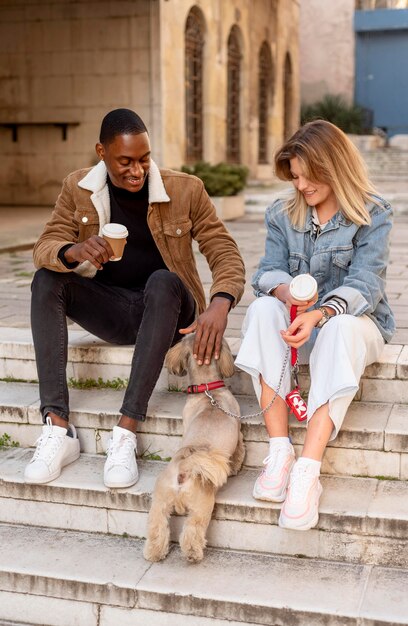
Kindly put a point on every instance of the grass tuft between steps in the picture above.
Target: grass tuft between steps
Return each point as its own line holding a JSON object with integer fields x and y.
{"x": 175, "y": 389}
{"x": 146, "y": 455}
{"x": 7, "y": 442}
{"x": 91, "y": 383}
{"x": 11, "y": 379}
{"x": 380, "y": 477}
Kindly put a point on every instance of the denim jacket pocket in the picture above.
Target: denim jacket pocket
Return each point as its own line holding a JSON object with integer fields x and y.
{"x": 341, "y": 259}
{"x": 298, "y": 264}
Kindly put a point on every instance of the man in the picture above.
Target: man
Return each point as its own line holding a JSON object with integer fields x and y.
{"x": 150, "y": 298}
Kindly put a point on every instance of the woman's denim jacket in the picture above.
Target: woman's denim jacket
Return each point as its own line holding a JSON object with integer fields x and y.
{"x": 346, "y": 260}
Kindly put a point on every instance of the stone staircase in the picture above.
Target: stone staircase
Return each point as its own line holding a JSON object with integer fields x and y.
{"x": 72, "y": 549}
{"x": 386, "y": 163}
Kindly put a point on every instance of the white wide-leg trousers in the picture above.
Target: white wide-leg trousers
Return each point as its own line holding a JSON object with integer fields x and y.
{"x": 337, "y": 355}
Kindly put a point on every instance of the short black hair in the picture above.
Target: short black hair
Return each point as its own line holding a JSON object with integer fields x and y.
{"x": 120, "y": 122}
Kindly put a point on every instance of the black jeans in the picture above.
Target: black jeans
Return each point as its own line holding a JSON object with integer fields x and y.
{"x": 150, "y": 319}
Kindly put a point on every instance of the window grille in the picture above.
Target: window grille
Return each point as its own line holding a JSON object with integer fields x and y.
{"x": 369, "y": 5}
{"x": 288, "y": 97}
{"x": 194, "y": 46}
{"x": 264, "y": 90}
{"x": 233, "y": 98}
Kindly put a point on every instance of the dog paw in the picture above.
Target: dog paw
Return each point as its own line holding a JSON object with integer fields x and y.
{"x": 194, "y": 556}
{"x": 193, "y": 553}
{"x": 153, "y": 553}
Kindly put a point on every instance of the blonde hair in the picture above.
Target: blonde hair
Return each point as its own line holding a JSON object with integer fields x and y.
{"x": 328, "y": 156}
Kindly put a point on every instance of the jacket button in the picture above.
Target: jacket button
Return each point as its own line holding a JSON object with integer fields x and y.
{"x": 178, "y": 231}
{"x": 84, "y": 219}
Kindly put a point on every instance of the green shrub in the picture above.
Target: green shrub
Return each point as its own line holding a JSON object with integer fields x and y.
{"x": 222, "y": 179}
{"x": 350, "y": 118}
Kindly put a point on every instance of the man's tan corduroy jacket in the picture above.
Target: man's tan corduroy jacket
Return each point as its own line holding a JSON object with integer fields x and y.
{"x": 180, "y": 210}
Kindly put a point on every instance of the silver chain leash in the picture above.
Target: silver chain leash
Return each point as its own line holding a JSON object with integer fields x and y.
{"x": 262, "y": 411}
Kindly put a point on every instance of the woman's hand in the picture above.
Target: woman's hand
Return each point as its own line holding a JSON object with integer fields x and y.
{"x": 283, "y": 294}
{"x": 301, "y": 328}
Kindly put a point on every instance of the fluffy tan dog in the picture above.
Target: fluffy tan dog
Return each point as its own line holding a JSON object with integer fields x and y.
{"x": 212, "y": 449}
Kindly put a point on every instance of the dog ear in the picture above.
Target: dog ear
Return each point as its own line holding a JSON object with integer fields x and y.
{"x": 226, "y": 361}
{"x": 176, "y": 359}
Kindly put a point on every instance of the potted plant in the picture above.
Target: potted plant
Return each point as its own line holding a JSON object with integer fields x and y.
{"x": 223, "y": 182}
{"x": 351, "y": 118}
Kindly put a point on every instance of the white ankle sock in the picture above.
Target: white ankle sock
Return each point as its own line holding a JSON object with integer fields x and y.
{"x": 278, "y": 441}
{"x": 303, "y": 461}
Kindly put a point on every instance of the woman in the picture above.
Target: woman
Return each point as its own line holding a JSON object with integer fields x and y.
{"x": 336, "y": 228}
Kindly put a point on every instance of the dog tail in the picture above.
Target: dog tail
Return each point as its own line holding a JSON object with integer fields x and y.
{"x": 204, "y": 464}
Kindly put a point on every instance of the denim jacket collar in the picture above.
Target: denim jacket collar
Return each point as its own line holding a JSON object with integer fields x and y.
{"x": 337, "y": 219}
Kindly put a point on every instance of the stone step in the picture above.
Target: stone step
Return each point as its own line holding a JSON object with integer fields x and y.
{"x": 372, "y": 442}
{"x": 362, "y": 520}
{"x": 258, "y": 203}
{"x": 64, "y": 578}
{"x": 89, "y": 357}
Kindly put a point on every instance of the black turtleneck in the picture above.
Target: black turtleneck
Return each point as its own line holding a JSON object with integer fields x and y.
{"x": 141, "y": 256}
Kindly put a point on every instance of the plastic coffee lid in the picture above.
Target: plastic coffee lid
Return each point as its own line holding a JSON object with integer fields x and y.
{"x": 303, "y": 287}
{"x": 115, "y": 231}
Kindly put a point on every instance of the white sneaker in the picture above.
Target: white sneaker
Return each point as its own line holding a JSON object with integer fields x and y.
{"x": 120, "y": 466}
{"x": 273, "y": 481}
{"x": 301, "y": 508}
{"x": 55, "y": 449}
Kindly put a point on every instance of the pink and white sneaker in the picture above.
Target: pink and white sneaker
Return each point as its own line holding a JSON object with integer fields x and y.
{"x": 301, "y": 508}
{"x": 273, "y": 481}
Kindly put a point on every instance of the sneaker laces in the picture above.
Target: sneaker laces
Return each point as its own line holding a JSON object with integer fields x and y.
{"x": 48, "y": 445}
{"x": 300, "y": 480}
{"x": 275, "y": 458}
{"x": 121, "y": 449}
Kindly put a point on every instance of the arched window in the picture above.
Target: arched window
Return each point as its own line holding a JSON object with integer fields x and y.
{"x": 369, "y": 5}
{"x": 288, "y": 98}
{"x": 265, "y": 77}
{"x": 233, "y": 96}
{"x": 194, "y": 47}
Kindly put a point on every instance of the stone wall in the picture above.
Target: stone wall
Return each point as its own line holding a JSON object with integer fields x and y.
{"x": 72, "y": 61}
{"x": 327, "y": 49}
{"x": 68, "y": 62}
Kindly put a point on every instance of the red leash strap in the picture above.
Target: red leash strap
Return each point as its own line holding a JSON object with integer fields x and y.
{"x": 294, "y": 400}
{"x": 293, "y": 351}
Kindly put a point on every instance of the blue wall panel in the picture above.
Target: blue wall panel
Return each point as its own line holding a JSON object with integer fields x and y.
{"x": 382, "y": 67}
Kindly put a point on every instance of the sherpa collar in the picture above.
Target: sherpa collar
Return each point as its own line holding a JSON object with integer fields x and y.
{"x": 95, "y": 181}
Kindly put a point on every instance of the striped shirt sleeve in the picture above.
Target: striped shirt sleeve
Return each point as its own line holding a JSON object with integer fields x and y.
{"x": 337, "y": 304}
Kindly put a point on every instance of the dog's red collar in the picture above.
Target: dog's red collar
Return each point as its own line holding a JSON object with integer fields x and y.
{"x": 217, "y": 384}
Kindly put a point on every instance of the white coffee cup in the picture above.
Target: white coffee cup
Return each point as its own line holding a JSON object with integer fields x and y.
{"x": 303, "y": 287}
{"x": 115, "y": 235}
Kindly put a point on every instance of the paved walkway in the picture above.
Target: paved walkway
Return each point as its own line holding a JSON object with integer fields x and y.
{"x": 21, "y": 227}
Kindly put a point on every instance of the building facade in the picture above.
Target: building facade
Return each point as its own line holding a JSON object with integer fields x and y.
{"x": 357, "y": 49}
{"x": 213, "y": 80}
{"x": 381, "y": 81}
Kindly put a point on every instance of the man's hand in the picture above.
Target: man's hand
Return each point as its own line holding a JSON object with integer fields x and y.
{"x": 96, "y": 250}
{"x": 209, "y": 328}
{"x": 283, "y": 294}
